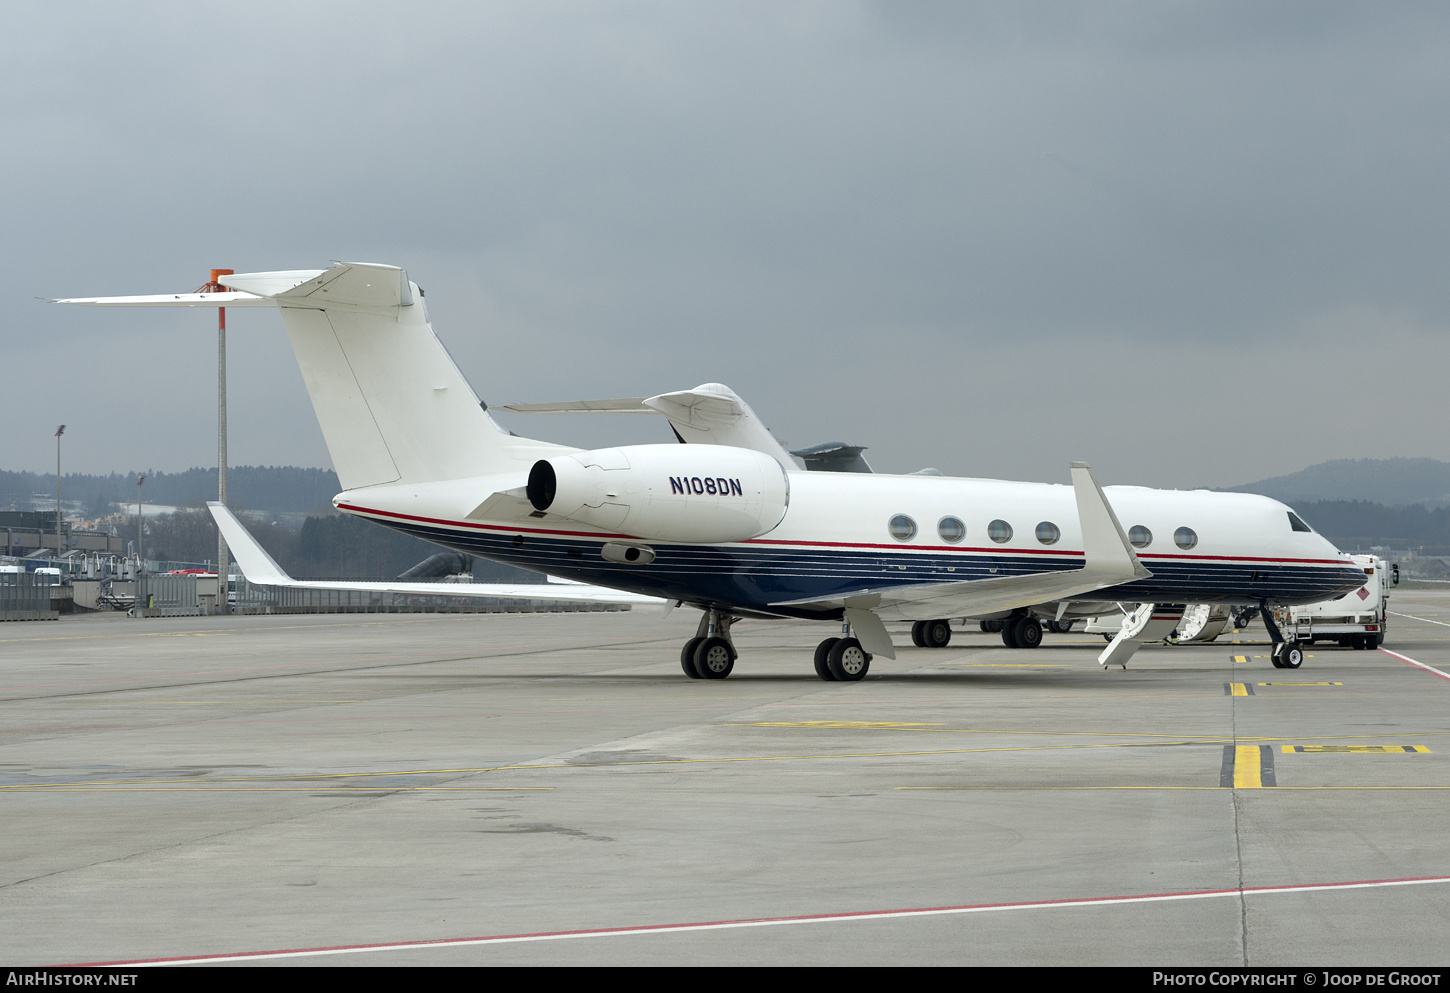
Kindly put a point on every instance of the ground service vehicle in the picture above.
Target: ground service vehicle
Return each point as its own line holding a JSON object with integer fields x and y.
{"x": 1354, "y": 620}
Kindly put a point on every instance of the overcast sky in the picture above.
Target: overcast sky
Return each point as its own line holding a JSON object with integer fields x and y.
{"x": 1191, "y": 243}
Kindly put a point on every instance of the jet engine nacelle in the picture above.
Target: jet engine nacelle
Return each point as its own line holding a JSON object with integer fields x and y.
{"x": 688, "y": 493}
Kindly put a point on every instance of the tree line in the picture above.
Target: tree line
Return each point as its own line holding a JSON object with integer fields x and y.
{"x": 335, "y": 546}
{"x": 1359, "y": 523}
{"x": 281, "y": 488}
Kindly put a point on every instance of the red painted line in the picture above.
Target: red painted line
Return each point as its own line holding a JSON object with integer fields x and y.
{"x": 1418, "y": 665}
{"x": 910, "y": 548}
{"x": 352, "y": 508}
{"x": 772, "y": 921}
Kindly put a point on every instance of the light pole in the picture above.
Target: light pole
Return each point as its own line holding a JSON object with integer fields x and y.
{"x": 140, "y": 556}
{"x": 223, "y": 564}
{"x": 58, "y": 547}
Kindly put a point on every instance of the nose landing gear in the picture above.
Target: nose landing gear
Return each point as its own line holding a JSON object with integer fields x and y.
{"x": 1284, "y": 654}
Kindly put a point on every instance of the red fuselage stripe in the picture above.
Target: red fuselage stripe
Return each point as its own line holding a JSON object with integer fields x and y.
{"x": 830, "y": 544}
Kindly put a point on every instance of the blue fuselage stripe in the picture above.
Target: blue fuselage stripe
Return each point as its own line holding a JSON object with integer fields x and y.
{"x": 754, "y": 576}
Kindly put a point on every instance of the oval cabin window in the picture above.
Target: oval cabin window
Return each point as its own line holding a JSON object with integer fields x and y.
{"x": 1048, "y": 533}
{"x": 951, "y": 529}
{"x": 1140, "y": 536}
{"x": 999, "y": 531}
{"x": 1185, "y": 538}
{"x": 902, "y": 528}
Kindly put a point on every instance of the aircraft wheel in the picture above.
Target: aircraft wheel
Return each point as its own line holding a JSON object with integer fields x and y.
{"x": 848, "y": 660}
{"x": 1009, "y": 633}
{"x": 823, "y": 665}
{"x": 714, "y": 658}
{"x": 1278, "y": 662}
{"x": 936, "y": 634}
{"x": 1108, "y": 638}
{"x": 1028, "y": 633}
{"x": 687, "y": 657}
{"x": 916, "y": 635}
{"x": 1292, "y": 657}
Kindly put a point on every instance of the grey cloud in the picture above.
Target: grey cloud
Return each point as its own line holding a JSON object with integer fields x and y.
{"x": 988, "y": 237}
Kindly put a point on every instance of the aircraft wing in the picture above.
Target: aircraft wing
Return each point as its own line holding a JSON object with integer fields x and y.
{"x": 1109, "y": 560}
{"x": 261, "y": 569}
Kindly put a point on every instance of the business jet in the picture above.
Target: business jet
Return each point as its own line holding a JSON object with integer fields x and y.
{"x": 726, "y": 522}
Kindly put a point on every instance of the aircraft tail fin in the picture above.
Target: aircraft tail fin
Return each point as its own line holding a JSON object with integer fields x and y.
{"x": 392, "y": 404}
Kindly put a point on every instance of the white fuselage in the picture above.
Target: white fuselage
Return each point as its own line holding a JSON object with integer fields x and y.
{"x": 836, "y": 537}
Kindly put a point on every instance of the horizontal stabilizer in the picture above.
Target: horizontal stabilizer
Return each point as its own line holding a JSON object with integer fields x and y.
{"x": 174, "y": 300}
{"x": 351, "y": 284}
{"x": 268, "y": 284}
{"x": 363, "y": 285}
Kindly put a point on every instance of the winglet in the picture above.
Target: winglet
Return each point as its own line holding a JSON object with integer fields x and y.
{"x": 252, "y": 558}
{"x": 1105, "y": 545}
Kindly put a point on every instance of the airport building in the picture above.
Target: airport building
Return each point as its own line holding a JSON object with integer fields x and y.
{"x": 28, "y": 532}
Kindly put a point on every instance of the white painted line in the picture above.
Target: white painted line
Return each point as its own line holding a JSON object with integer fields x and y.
{"x": 866, "y": 915}
{"x": 1414, "y": 618}
{"x": 1418, "y": 665}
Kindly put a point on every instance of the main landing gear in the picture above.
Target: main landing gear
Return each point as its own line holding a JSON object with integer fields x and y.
{"x": 710, "y": 654}
{"x": 1021, "y": 632}
{"x": 842, "y": 660}
{"x": 1024, "y": 630}
{"x": 931, "y": 634}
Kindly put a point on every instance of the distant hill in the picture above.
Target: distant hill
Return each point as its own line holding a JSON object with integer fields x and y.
{"x": 1390, "y": 482}
{"x": 1355, "y": 525}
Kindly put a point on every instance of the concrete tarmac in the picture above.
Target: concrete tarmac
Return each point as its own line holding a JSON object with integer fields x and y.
{"x": 390, "y": 786}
